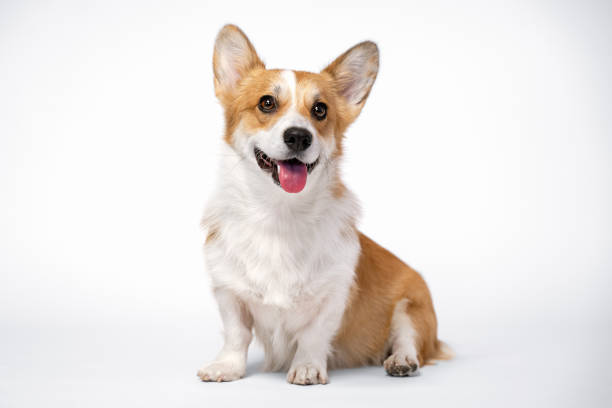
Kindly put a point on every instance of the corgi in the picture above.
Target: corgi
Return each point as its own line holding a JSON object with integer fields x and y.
{"x": 285, "y": 257}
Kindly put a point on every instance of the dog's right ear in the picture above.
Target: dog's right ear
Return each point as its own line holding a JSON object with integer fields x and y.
{"x": 233, "y": 58}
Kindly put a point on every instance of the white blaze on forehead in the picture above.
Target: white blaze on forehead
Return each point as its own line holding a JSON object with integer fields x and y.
{"x": 291, "y": 84}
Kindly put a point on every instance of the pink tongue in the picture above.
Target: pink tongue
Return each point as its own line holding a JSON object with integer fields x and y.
{"x": 292, "y": 176}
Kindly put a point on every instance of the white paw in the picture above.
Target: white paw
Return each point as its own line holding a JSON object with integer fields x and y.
{"x": 401, "y": 365}
{"x": 307, "y": 374}
{"x": 221, "y": 371}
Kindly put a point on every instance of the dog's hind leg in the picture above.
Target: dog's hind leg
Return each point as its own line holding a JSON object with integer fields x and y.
{"x": 403, "y": 339}
{"x": 413, "y": 337}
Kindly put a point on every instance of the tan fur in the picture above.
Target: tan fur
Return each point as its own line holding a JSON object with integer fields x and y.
{"x": 339, "y": 188}
{"x": 211, "y": 235}
{"x": 240, "y": 104}
{"x": 381, "y": 281}
{"x": 313, "y": 88}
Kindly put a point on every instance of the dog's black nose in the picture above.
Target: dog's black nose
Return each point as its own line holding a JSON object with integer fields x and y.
{"x": 298, "y": 139}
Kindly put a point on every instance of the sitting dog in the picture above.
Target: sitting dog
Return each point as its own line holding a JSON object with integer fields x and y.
{"x": 282, "y": 247}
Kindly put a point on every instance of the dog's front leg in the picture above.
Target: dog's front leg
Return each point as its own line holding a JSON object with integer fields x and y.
{"x": 309, "y": 365}
{"x": 230, "y": 364}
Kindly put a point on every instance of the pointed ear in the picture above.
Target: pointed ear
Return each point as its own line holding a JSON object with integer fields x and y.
{"x": 354, "y": 73}
{"x": 233, "y": 58}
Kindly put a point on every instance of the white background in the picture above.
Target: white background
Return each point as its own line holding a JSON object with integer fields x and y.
{"x": 482, "y": 158}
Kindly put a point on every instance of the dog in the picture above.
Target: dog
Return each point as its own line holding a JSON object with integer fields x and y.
{"x": 285, "y": 257}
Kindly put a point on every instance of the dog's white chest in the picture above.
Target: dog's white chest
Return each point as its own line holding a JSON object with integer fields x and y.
{"x": 275, "y": 267}
{"x": 286, "y": 258}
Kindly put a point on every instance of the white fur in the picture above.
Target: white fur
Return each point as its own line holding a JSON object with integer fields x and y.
{"x": 230, "y": 363}
{"x": 291, "y": 83}
{"x": 281, "y": 263}
{"x": 403, "y": 340}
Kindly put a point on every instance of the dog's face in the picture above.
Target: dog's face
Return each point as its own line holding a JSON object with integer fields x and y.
{"x": 287, "y": 123}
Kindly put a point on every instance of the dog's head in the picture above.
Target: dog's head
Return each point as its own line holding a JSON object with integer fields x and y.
{"x": 287, "y": 123}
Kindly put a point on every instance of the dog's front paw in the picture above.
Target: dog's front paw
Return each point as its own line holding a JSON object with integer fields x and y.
{"x": 220, "y": 371}
{"x": 401, "y": 365}
{"x": 307, "y": 374}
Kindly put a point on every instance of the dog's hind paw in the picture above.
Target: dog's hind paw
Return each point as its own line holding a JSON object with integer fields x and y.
{"x": 401, "y": 365}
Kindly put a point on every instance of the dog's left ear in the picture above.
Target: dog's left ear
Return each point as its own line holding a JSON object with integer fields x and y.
{"x": 354, "y": 73}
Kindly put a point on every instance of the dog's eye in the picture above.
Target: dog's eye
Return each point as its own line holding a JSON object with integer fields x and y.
{"x": 319, "y": 110}
{"x": 267, "y": 104}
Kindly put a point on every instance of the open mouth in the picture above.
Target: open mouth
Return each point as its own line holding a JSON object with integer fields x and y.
{"x": 290, "y": 174}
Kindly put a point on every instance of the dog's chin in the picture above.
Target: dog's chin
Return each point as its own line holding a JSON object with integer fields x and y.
{"x": 290, "y": 174}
